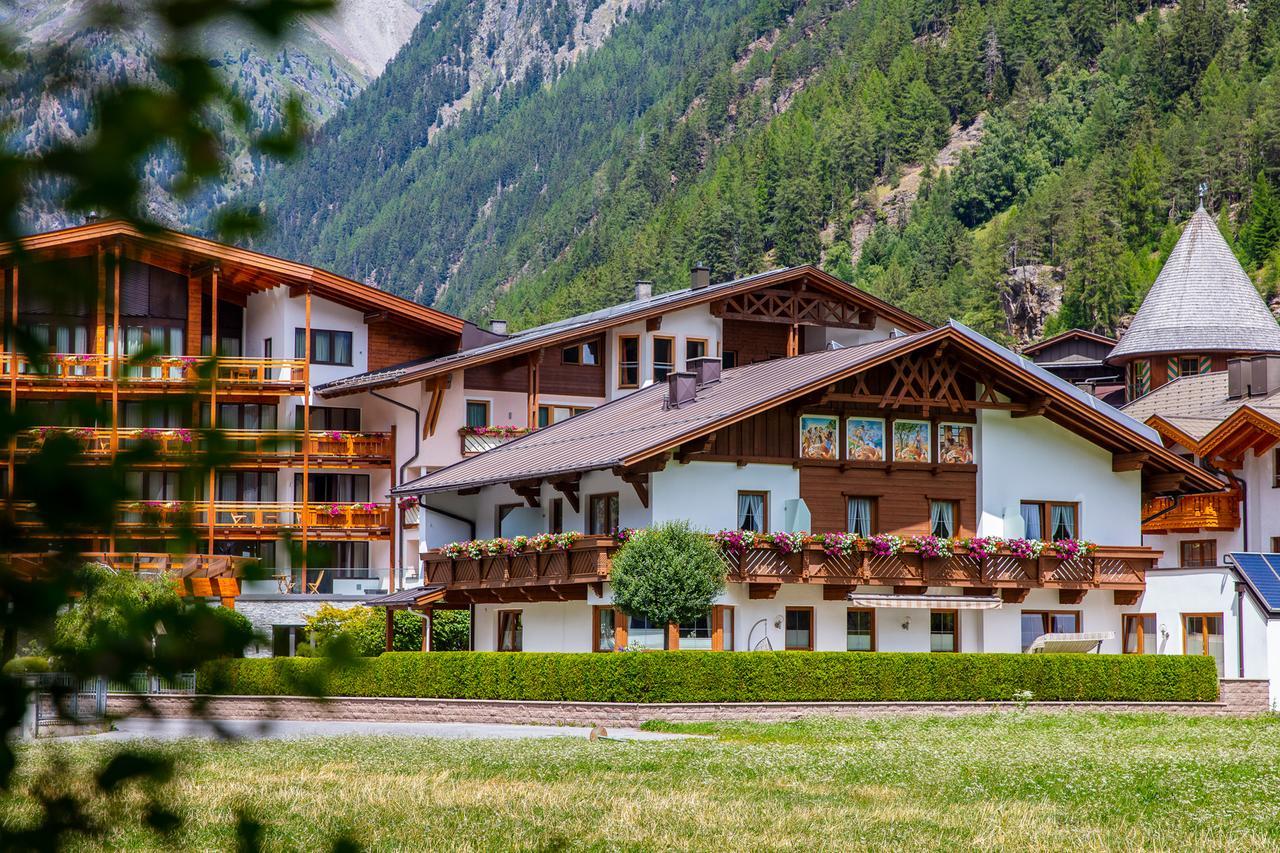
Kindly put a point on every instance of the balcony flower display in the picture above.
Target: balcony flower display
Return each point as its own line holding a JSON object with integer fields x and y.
{"x": 495, "y": 431}
{"x": 788, "y": 543}
{"x": 841, "y": 544}
{"x": 932, "y": 547}
{"x": 1025, "y": 549}
{"x": 498, "y": 547}
{"x": 1069, "y": 549}
{"x": 625, "y": 534}
{"x": 548, "y": 541}
{"x": 473, "y": 549}
{"x": 332, "y": 434}
{"x": 149, "y": 433}
{"x": 884, "y": 545}
{"x": 408, "y": 502}
{"x": 979, "y": 547}
{"x": 735, "y": 543}
{"x": 334, "y": 510}
{"x": 367, "y": 507}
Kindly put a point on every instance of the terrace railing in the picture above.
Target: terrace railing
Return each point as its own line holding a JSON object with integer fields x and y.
{"x": 76, "y": 371}
{"x": 328, "y": 447}
{"x": 340, "y": 520}
{"x": 588, "y": 559}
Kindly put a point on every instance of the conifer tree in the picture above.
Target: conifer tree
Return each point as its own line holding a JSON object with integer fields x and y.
{"x": 1261, "y": 231}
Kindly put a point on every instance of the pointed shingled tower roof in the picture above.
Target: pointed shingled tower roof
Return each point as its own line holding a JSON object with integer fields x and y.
{"x": 1201, "y": 302}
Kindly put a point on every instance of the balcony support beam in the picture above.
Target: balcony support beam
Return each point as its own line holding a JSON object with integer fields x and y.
{"x": 1126, "y": 597}
{"x": 569, "y": 488}
{"x": 1014, "y": 595}
{"x": 1071, "y": 596}
{"x": 1128, "y": 461}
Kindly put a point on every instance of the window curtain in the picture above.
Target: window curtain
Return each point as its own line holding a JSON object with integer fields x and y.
{"x": 1063, "y": 522}
{"x": 751, "y": 513}
{"x": 859, "y": 519}
{"x": 1031, "y": 521}
{"x": 941, "y": 518}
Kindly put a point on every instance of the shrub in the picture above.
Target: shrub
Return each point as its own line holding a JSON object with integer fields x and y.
{"x": 362, "y": 631}
{"x": 667, "y": 574}
{"x": 450, "y": 630}
{"x": 111, "y": 604}
{"x": 29, "y": 663}
{"x": 729, "y": 677}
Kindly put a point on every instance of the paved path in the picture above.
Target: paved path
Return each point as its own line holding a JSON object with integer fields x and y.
{"x": 135, "y": 728}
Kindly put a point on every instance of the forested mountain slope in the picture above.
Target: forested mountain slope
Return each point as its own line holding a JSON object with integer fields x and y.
{"x": 326, "y": 60}
{"x": 751, "y": 133}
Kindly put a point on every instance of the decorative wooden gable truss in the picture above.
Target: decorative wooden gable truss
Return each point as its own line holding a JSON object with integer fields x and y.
{"x": 798, "y": 307}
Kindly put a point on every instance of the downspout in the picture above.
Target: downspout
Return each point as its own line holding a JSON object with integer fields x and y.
{"x": 1240, "y": 626}
{"x": 417, "y": 451}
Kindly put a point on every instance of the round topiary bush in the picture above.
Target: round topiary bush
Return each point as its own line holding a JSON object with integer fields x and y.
{"x": 667, "y": 574}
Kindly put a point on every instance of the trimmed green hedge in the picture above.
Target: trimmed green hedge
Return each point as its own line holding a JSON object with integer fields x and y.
{"x": 726, "y": 677}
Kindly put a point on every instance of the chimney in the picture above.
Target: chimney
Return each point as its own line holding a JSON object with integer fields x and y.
{"x": 706, "y": 368}
{"x": 644, "y": 290}
{"x": 1239, "y": 377}
{"x": 498, "y": 327}
{"x": 699, "y": 276}
{"x": 1265, "y": 375}
{"x": 682, "y": 389}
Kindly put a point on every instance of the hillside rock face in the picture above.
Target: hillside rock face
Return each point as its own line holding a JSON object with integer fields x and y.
{"x": 327, "y": 59}
{"x": 1031, "y": 294}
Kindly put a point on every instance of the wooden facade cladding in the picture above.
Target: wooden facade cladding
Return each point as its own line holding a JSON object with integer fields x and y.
{"x": 391, "y": 344}
{"x": 1192, "y": 513}
{"x": 509, "y": 375}
{"x": 579, "y": 380}
{"x": 901, "y": 496}
{"x": 754, "y": 340}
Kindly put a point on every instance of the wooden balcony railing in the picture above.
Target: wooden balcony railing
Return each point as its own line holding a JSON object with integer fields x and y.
{"x": 81, "y": 370}
{"x": 342, "y": 520}
{"x": 473, "y": 443}
{"x": 1193, "y": 512}
{"x": 330, "y": 448}
{"x": 146, "y": 562}
{"x": 589, "y": 560}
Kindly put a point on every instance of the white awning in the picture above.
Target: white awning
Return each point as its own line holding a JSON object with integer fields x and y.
{"x": 927, "y": 602}
{"x": 1084, "y": 641}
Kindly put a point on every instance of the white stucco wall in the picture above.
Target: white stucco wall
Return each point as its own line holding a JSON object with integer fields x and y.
{"x": 817, "y": 337}
{"x": 694, "y": 322}
{"x": 706, "y": 493}
{"x": 1263, "y": 500}
{"x": 1035, "y": 459}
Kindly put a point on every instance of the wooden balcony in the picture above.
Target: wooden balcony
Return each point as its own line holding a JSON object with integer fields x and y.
{"x": 71, "y": 372}
{"x": 1192, "y": 513}
{"x": 245, "y": 520}
{"x": 473, "y": 443}
{"x": 328, "y": 449}
{"x": 561, "y": 573}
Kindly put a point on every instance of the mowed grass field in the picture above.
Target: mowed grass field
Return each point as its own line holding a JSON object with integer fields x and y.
{"x": 1032, "y": 781}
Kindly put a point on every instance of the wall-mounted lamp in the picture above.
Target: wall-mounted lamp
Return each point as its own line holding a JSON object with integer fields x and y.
{"x": 1164, "y": 633}
{"x": 906, "y": 623}
{"x": 777, "y": 621}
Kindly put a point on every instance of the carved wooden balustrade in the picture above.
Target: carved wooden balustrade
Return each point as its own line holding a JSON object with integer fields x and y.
{"x": 1192, "y": 512}
{"x": 1105, "y": 568}
{"x": 588, "y": 560}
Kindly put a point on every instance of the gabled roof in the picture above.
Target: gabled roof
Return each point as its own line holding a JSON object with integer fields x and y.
{"x": 582, "y": 325}
{"x": 1069, "y": 334}
{"x": 1201, "y": 302}
{"x": 631, "y": 429}
{"x": 1196, "y": 412}
{"x": 252, "y": 271}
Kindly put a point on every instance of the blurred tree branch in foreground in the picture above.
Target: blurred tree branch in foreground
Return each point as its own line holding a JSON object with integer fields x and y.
{"x": 117, "y": 626}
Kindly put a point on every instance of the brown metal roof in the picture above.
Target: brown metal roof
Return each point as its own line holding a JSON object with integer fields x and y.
{"x": 580, "y": 326}
{"x": 633, "y": 428}
{"x": 251, "y": 271}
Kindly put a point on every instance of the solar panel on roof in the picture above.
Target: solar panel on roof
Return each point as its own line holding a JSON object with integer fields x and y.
{"x": 1262, "y": 572}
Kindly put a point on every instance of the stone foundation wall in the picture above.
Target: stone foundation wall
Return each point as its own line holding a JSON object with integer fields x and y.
{"x": 1239, "y": 698}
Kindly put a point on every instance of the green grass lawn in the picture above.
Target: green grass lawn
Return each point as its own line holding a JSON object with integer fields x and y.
{"x": 1034, "y": 781}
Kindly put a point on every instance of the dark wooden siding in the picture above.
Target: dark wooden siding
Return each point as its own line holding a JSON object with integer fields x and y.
{"x": 754, "y": 341}
{"x": 390, "y": 344}
{"x": 556, "y": 377}
{"x": 1074, "y": 346}
{"x": 509, "y": 375}
{"x": 901, "y": 495}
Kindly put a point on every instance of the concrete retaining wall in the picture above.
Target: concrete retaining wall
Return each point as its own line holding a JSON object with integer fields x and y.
{"x": 1238, "y": 698}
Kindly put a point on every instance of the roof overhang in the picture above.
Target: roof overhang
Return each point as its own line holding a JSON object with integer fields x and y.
{"x": 1070, "y": 334}
{"x": 519, "y": 345}
{"x": 1244, "y": 429}
{"x": 245, "y": 270}
{"x": 1060, "y": 406}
